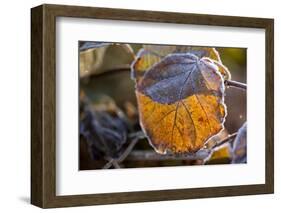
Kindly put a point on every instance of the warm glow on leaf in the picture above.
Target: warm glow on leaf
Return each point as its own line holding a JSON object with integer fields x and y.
{"x": 143, "y": 62}
{"x": 181, "y": 103}
{"x": 222, "y": 153}
{"x": 151, "y": 54}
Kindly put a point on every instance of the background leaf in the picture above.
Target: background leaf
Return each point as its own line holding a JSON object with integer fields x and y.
{"x": 240, "y": 146}
{"x": 98, "y": 57}
{"x": 104, "y": 126}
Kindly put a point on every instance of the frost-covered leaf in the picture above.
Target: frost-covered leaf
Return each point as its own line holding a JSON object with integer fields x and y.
{"x": 181, "y": 103}
{"x": 151, "y": 54}
{"x": 240, "y": 146}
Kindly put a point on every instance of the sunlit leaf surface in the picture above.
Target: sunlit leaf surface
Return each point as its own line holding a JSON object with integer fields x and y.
{"x": 151, "y": 54}
{"x": 221, "y": 154}
{"x": 181, "y": 103}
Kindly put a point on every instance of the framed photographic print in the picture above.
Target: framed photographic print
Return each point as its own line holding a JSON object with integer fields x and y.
{"x": 135, "y": 106}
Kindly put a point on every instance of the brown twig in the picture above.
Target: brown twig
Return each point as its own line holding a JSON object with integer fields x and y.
{"x": 225, "y": 140}
{"x": 108, "y": 164}
{"x": 200, "y": 155}
{"x": 136, "y": 136}
{"x": 128, "y": 150}
{"x": 235, "y": 84}
{"x": 153, "y": 156}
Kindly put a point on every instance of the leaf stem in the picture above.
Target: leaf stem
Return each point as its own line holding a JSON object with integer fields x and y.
{"x": 235, "y": 84}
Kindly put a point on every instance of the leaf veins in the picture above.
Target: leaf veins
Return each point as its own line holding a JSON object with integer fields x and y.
{"x": 181, "y": 103}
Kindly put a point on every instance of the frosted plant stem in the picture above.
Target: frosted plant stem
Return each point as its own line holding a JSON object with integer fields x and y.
{"x": 236, "y": 84}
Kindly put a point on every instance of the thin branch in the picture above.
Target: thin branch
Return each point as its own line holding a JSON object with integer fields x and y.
{"x": 128, "y": 150}
{"x": 115, "y": 162}
{"x": 154, "y": 156}
{"x": 116, "y": 165}
{"x": 235, "y": 84}
{"x": 139, "y": 135}
{"x": 225, "y": 140}
{"x": 128, "y": 154}
{"x": 200, "y": 155}
{"x": 108, "y": 164}
{"x": 136, "y": 137}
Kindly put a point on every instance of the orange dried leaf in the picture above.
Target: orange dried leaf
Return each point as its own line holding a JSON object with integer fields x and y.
{"x": 222, "y": 152}
{"x": 144, "y": 60}
{"x": 181, "y": 103}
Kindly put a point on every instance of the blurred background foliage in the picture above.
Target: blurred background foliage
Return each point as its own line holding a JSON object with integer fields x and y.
{"x": 107, "y": 91}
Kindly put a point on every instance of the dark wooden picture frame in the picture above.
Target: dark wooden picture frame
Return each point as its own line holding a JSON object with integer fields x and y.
{"x": 43, "y": 105}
